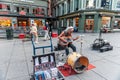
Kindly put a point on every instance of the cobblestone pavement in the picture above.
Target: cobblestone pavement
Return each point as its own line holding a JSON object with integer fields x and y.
{"x": 16, "y": 56}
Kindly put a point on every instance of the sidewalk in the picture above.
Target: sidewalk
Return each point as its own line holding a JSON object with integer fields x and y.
{"x": 16, "y": 56}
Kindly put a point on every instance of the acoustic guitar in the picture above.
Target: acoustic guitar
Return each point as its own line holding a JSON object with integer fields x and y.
{"x": 68, "y": 39}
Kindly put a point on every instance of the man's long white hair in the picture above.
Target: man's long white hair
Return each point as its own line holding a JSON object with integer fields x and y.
{"x": 68, "y": 28}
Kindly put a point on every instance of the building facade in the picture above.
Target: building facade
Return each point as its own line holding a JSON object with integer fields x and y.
{"x": 23, "y": 13}
{"x": 86, "y": 15}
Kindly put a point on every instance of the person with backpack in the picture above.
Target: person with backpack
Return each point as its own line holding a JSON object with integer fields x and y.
{"x": 46, "y": 29}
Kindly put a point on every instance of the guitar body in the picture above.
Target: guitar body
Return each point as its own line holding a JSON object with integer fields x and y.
{"x": 67, "y": 39}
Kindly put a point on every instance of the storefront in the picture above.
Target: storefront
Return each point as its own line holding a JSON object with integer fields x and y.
{"x": 89, "y": 23}
{"x": 5, "y": 22}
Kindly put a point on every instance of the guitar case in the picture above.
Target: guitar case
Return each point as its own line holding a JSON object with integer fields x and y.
{"x": 106, "y": 48}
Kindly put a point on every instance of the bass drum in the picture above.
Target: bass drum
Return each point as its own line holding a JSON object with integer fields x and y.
{"x": 78, "y": 62}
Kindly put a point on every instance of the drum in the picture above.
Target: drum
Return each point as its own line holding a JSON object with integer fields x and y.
{"x": 78, "y": 62}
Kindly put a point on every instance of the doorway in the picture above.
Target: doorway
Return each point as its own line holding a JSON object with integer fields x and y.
{"x": 89, "y": 25}
{"x": 23, "y": 24}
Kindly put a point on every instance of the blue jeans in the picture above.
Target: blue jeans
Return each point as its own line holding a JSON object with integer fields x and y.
{"x": 71, "y": 46}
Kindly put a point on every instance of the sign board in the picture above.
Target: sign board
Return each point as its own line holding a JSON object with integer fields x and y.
{"x": 22, "y": 12}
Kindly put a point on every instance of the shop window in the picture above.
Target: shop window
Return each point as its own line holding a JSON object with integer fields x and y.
{"x": 117, "y": 24}
{"x": 5, "y": 22}
{"x": 40, "y": 23}
{"x": 76, "y": 21}
{"x": 105, "y": 22}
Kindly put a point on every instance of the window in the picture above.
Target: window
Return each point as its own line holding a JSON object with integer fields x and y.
{"x": 65, "y": 6}
{"x": 0, "y": 6}
{"x": 76, "y": 4}
{"x": 62, "y": 8}
{"x": 105, "y": 4}
{"x": 23, "y": 8}
{"x": 4, "y": 6}
{"x": 17, "y": 8}
{"x": 43, "y": 11}
{"x": 34, "y": 11}
{"x": 27, "y": 10}
{"x": 90, "y": 3}
{"x": 8, "y": 7}
{"x": 68, "y": 6}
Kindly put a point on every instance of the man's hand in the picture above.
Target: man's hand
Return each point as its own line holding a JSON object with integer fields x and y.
{"x": 77, "y": 38}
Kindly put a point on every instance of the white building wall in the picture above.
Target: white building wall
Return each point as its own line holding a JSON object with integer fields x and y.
{"x": 116, "y": 5}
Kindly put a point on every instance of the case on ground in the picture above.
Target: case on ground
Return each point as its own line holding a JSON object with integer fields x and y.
{"x": 106, "y": 48}
{"x": 102, "y": 45}
{"x": 44, "y": 67}
{"x": 98, "y": 43}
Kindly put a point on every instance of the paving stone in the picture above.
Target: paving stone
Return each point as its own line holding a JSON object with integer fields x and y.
{"x": 3, "y": 70}
{"x": 90, "y": 75}
{"x": 113, "y": 59}
{"x": 73, "y": 77}
{"x": 20, "y": 78}
{"x": 107, "y": 69}
{"x": 17, "y": 69}
{"x": 18, "y": 55}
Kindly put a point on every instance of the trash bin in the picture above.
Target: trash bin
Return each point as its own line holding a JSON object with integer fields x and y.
{"x": 9, "y": 33}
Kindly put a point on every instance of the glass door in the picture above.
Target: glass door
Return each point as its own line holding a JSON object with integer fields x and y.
{"x": 89, "y": 25}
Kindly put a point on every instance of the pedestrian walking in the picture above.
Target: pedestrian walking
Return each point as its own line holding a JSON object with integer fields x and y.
{"x": 46, "y": 29}
{"x": 34, "y": 32}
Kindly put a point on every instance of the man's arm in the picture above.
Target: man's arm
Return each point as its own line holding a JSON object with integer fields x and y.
{"x": 60, "y": 37}
{"x": 76, "y": 38}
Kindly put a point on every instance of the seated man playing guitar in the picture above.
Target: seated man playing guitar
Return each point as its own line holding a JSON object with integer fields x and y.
{"x": 65, "y": 39}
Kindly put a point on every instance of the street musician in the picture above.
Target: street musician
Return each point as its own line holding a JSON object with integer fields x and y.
{"x": 66, "y": 39}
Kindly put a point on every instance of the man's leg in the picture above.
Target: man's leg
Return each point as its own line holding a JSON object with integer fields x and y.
{"x": 45, "y": 37}
{"x": 67, "y": 50}
{"x": 73, "y": 47}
